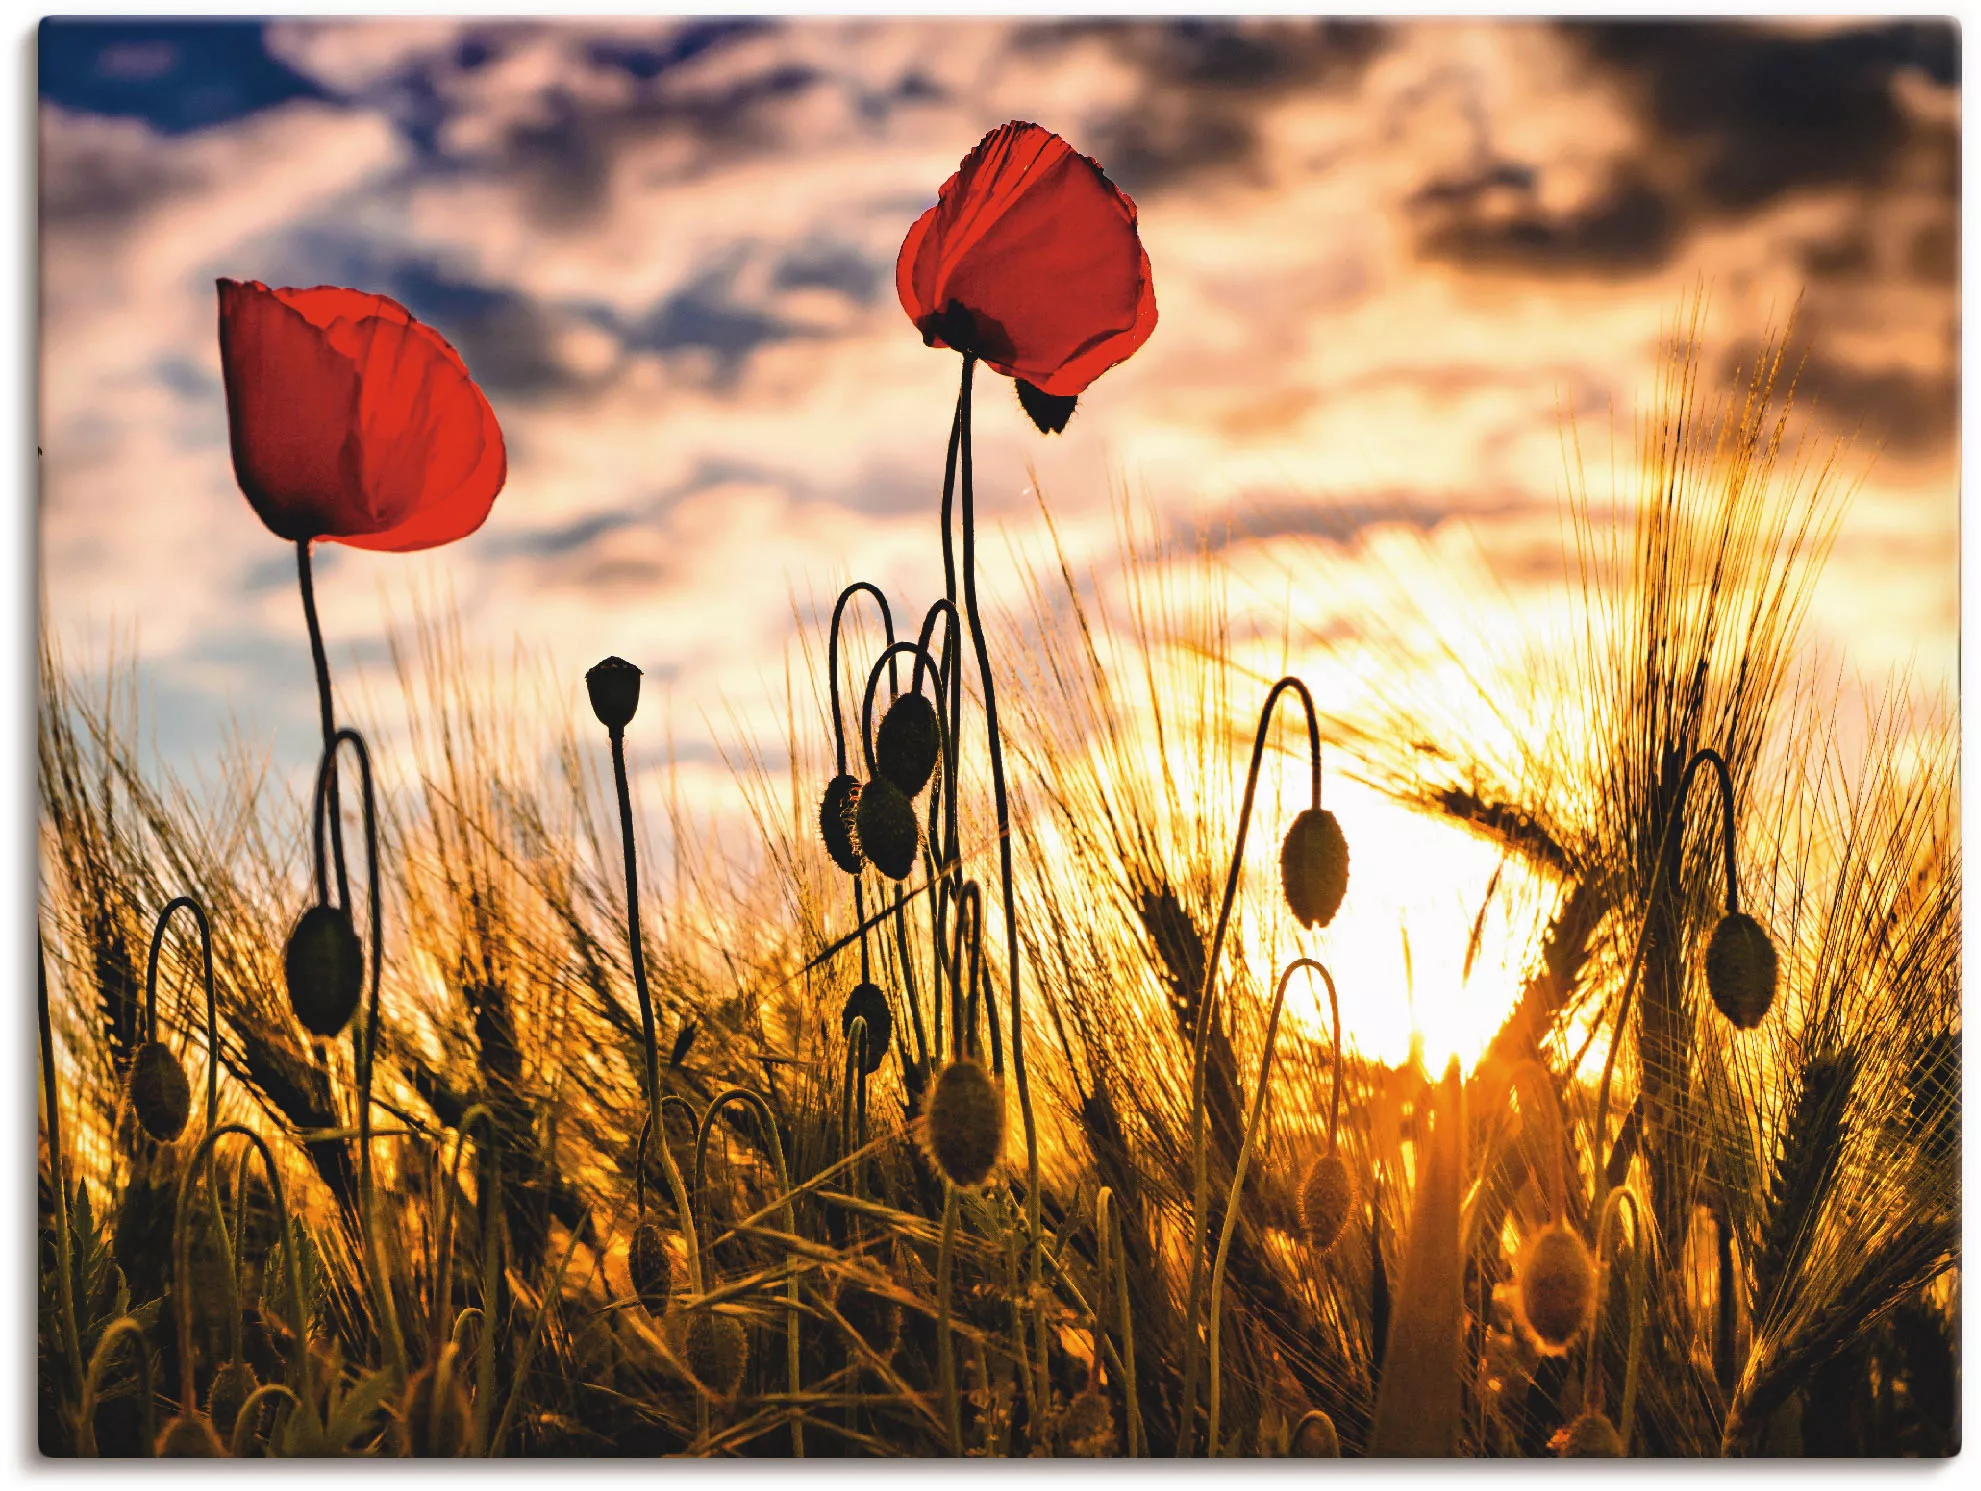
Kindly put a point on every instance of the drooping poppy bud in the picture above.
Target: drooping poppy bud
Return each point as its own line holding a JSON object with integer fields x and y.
{"x": 1313, "y": 866}
{"x": 1591, "y": 1437}
{"x": 868, "y": 1003}
{"x": 1556, "y": 1287}
{"x": 160, "y": 1095}
{"x": 651, "y": 1266}
{"x": 325, "y": 969}
{"x": 1031, "y": 260}
{"x": 1741, "y": 970}
{"x": 963, "y": 1123}
{"x": 352, "y": 421}
{"x": 715, "y": 1349}
{"x": 836, "y": 808}
{"x": 190, "y": 1436}
{"x": 884, "y": 819}
{"x": 614, "y": 686}
{"x": 907, "y": 743}
{"x": 1326, "y": 1200}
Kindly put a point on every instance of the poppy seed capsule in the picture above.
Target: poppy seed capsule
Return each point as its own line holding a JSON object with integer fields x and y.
{"x": 614, "y": 686}
{"x": 651, "y": 1266}
{"x": 1557, "y": 1287}
{"x": 1315, "y": 1439}
{"x": 1740, "y": 970}
{"x": 1313, "y": 866}
{"x": 436, "y": 1428}
{"x": 325, "y": 969}
{"x": 866, "y": 1002}
{"x": 885, "y": 822}
{"x": 160, "y": 1094}
{"x": 715, "y": 1350}
{"x": 907, "y": 743}
{"x": 1326, "y": 1200}
{"x": 1591, "y": 1437}
{"x": 190, "y": 1436}
{"x": 963, "y": 1123}
{"x": 224, "y": 1399}
{"x": 842, "y": 795}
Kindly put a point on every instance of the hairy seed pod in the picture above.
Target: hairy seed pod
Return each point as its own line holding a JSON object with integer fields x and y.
{"x": 963, "y": 1123}
{"x": 866, "y": 1002}
{"x": 230, "y": 1389}
{"x": 1740, "y": 970}
{"x": 614, "y": 686}
{"x": 715, "y": 1349}
{"x": 160, "y": 1095}
{"x": 190, "y": 1436}
{"x": 1313, "y": 866}
{"x": 884, "y": 819}
{"x": 1315, "y": 1437}
{"x": 651, "y": 1265}
{"x": 1557, "y": 1287}
{"x": 907, "y": 743}
{"x": 436, "y": 1428}
{"x": 842, "y": 796}
{"x": 1326, "y": 1200}
{"x": 325, "y": 969}
{"x": 1590, "y": 1437}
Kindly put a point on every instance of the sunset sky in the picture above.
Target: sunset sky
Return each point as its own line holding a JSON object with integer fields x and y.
{"x": 1389, "y": 258}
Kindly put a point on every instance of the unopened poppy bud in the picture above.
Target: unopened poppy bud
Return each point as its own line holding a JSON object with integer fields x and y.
{"x": 842, "y": 796}
{"x": 651, "y": 1266}
{"x": 1313, "y": 866}
{"x": 715, "y": 1349}
{"x": 1741, "y": 969}
{"x": 160, "y": 1095}
{"x": 615, "y": 689}
{"x": 1556, "y": 1281}
{"x": 1591, "y": 1437}
{"x": 963, "y": 1123}
{"x": 1315, "y": 1437}
{"x": 884, "y": 819}
{"x": 325, "y": 969}
{"x": 437, "y": 1426}
{"x": 907, "y": 743}
{"x": 190, "y": 1436}
{"x": 866, "y": 1002}
{"x": 1326, "y": 1200}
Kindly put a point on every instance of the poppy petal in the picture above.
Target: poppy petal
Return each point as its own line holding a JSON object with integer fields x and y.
{"x": 291, "y": 398}
{"x": 459, "y": 512}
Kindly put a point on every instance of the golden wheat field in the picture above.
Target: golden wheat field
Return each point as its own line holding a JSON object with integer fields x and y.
{"x": 1122, "y": 1017}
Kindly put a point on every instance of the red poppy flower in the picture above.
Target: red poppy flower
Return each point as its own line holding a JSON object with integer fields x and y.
{"x": 352, "y": 421}
{"x": 1030, "y": 259}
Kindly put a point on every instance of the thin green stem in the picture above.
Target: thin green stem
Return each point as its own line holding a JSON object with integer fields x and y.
{"x": 1238, "y": 1176}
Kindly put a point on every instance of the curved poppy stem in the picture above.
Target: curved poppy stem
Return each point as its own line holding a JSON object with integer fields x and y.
{"x": 321, "y": 662}
{"x": 858, "y": 587}
{"x": 51, "y": 1104}
{"x": 1673, "y": 825}
{"x": 443, "y": 1306}
{"x": 250, "y": 1414}
{"x": 1199, "y": 1044}
{"x": 1245, "y": 1159}
{"x": 122, "y": 1328}
{"x": 767, "y": 1121}
{"x": 364, "y": 1044}
{"x": 1640, "y": 1234}
{"x": 181, "y": 1262}
{"x": 638, "y": 958}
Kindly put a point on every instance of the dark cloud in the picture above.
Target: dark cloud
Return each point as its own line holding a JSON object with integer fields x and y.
{"x": 1907, "y": 410}
{"x": 704, "y": 316}
{"x": 1204, "y": 84}
{"x": 829, "y": 266}
{"x": 177, "y": 76}
{"x": 1495, "y": 219}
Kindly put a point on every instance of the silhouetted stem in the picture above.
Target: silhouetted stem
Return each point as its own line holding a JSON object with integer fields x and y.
{"x": 443, "y": 1292}
{"x": 1673, "y": 825}
{"x": 839, "y": 724}
{"x": 1591, "y": 1386}
{"x": 1108, "y": 1226}
{"x": 1206, "y": 1008}
{"x": 1245, "y": 1159}
{"x": 952, "y": 1413}
{"x": 652, "y": 1048}
{"x": 106, "y": 1346}
{"x": 321, "y": 662}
